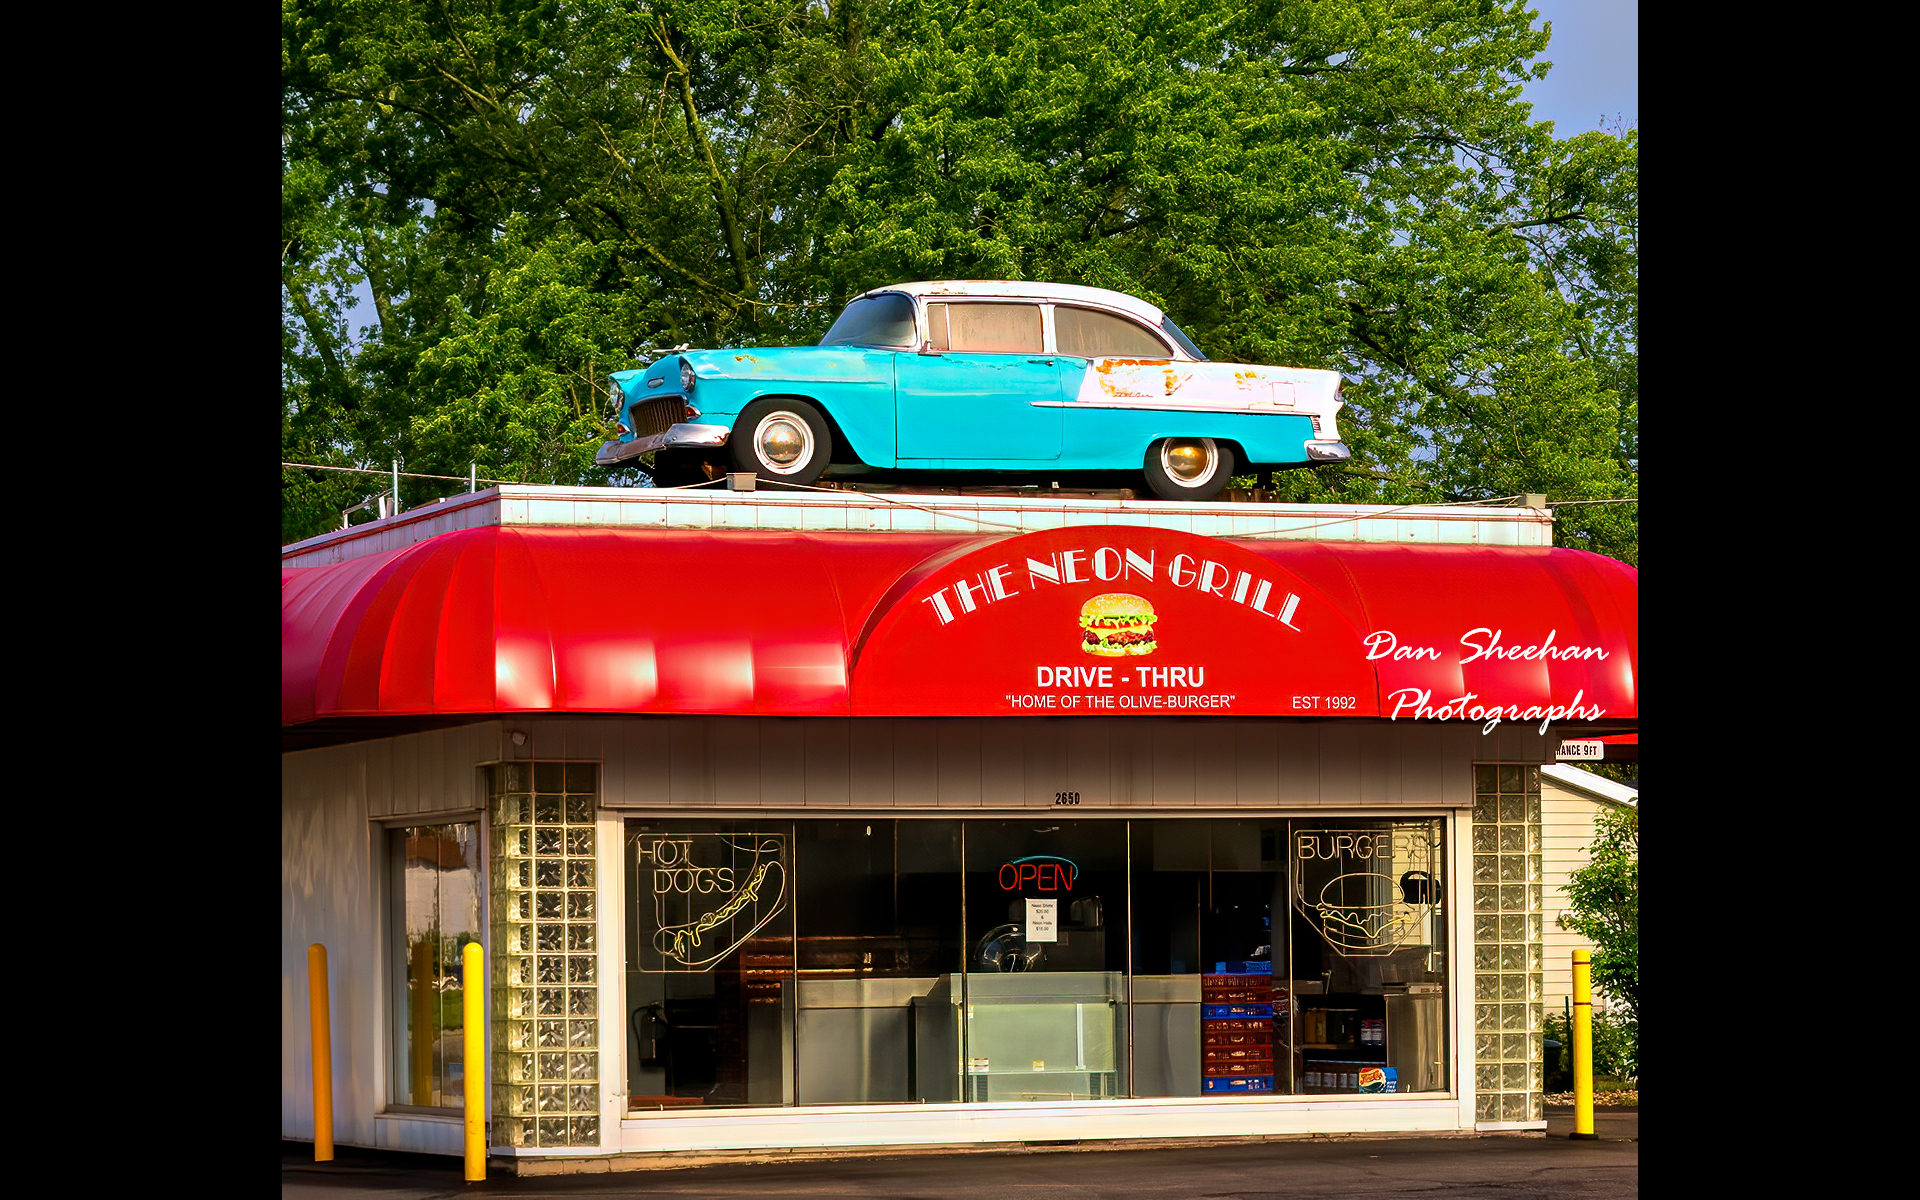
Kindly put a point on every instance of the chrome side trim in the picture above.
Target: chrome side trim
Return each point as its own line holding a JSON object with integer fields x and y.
{"x": 1251, "y": 406}
{"x": 679, "y": 435}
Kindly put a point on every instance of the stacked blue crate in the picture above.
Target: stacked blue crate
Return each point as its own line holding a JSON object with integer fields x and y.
{"x": 1236, "y": 1028}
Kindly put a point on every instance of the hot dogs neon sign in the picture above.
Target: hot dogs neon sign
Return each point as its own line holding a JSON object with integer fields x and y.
{"x": 1046, "y": 872}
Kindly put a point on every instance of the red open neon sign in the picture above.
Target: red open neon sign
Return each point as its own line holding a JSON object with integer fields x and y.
{"x": 1046, "y": 872}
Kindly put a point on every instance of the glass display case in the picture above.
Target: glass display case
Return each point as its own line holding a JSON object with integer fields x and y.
{"x": 1044, "y": 1036}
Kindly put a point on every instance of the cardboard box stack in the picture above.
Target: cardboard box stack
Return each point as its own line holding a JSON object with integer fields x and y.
{"x": 1236, "y": 1028}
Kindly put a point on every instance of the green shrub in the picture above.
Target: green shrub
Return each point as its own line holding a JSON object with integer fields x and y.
{"x": 1616, "y": 1050}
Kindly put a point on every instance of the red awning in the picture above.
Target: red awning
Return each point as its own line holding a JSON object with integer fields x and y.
{"x": 506, "y": 620}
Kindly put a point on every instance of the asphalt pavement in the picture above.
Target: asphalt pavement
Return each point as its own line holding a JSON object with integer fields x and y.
{"x": 1509, "y": 1166}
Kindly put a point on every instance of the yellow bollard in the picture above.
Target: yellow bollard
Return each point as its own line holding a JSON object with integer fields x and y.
{"x": 322, "y": 1053}
{"x": 473, "y": 983}
{"x": 1583, "y": 1045}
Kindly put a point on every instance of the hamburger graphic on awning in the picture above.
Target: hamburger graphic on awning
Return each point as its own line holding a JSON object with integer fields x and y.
{"x": 1117, "y": 624}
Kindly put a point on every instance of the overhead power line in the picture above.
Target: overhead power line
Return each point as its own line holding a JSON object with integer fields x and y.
{"x": 388, "y": 474}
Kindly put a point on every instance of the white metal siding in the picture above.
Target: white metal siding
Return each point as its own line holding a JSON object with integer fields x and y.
{"x": 333, "y": 891}
{"x": 525, "y": 505}
{"x": 334, "y": 801}
{"x": 963, "y": 764}
{"x": 328, "y": 895}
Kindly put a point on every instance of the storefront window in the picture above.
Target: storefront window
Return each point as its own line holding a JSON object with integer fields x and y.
{"x": 1366, "y": 948}
{"x": 436, "y": 912}
{"x": 709, "y": 962}
{"x": 879, "y": 927}
{"x": 1044, "y": 993}
{"x": 879, "y": 961}
{"x": 1204, "y": 995}
{"x": 546, "y": 995}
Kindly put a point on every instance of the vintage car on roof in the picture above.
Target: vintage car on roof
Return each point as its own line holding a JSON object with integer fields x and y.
{"x": 1016, "y": 380}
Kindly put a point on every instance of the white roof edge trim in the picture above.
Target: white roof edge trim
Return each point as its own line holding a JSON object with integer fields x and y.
{"x": 1025, "y": 290}
{"x": 1588, "y": 782}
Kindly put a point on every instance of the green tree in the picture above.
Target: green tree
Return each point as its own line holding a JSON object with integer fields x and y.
{"x": 1604, "y": 906}
{"x": 535, "y": 192}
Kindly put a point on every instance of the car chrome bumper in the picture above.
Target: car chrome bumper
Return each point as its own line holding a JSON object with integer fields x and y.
{"x": 1320, "y": 451}
{"x": 679, "y": 435}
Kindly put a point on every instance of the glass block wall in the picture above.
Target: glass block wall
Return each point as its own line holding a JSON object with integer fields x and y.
{"x": 1508, "y": 935}
{"x": 546, "y": 1003}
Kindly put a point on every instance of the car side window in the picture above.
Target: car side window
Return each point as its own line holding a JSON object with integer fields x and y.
{"x": 1090, "y": 334}
{"x": 985, "y": 328}
{"x": 883, "y": 320}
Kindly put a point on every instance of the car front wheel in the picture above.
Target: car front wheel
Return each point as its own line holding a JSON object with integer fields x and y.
{"x": 781, "y": 441}
{"x": 1188, "y": 468}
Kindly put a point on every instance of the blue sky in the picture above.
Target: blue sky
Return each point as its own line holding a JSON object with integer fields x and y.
{"x": 1595, "y": 54}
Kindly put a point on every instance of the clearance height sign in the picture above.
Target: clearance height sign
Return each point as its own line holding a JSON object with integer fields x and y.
{"x": 1112, "y": 620}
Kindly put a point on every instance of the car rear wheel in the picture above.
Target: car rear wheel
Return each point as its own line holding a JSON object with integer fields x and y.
{"x": 781, "y": 441}
{"x": 1188, "y": 468}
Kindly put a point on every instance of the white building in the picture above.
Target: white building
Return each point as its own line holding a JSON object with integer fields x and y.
{"x": 809, "y": 822}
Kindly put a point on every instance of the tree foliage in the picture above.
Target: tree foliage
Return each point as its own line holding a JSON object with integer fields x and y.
{"x": 1604, "y": 906}
{"x": 534, "y": 193}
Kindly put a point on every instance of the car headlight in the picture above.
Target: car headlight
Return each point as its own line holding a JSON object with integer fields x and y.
{"x": 686, "y": 377}
{"x": 619, "y": 397}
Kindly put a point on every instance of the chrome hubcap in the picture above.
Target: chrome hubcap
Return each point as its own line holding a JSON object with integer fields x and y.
{"x": 1189, "y": 463}
{"x": 783, "y": 442}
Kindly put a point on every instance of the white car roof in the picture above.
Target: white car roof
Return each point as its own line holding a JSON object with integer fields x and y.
{"x": 1027, "y": 291}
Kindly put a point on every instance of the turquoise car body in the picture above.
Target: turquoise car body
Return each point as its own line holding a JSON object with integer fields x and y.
{"x": 958, "y": 412}
{"x": 913, "y": 409}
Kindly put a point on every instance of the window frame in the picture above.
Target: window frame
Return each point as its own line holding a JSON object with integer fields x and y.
{"x": 926, "y": 321}
{"x": 1049, "y": 337}
{"x": 392, "y": 946}
{"x": 1449, "y": 824}
{"x": 1053, "y": 338}
{"x": 918, "y": 317}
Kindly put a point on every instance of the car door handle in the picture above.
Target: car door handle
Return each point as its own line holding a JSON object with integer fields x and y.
{"x": 1045, "y": 362}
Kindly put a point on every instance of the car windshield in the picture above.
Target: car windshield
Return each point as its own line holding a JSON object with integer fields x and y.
{"x": 1186, "y": 343}
{"x": 883, "y": 320}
